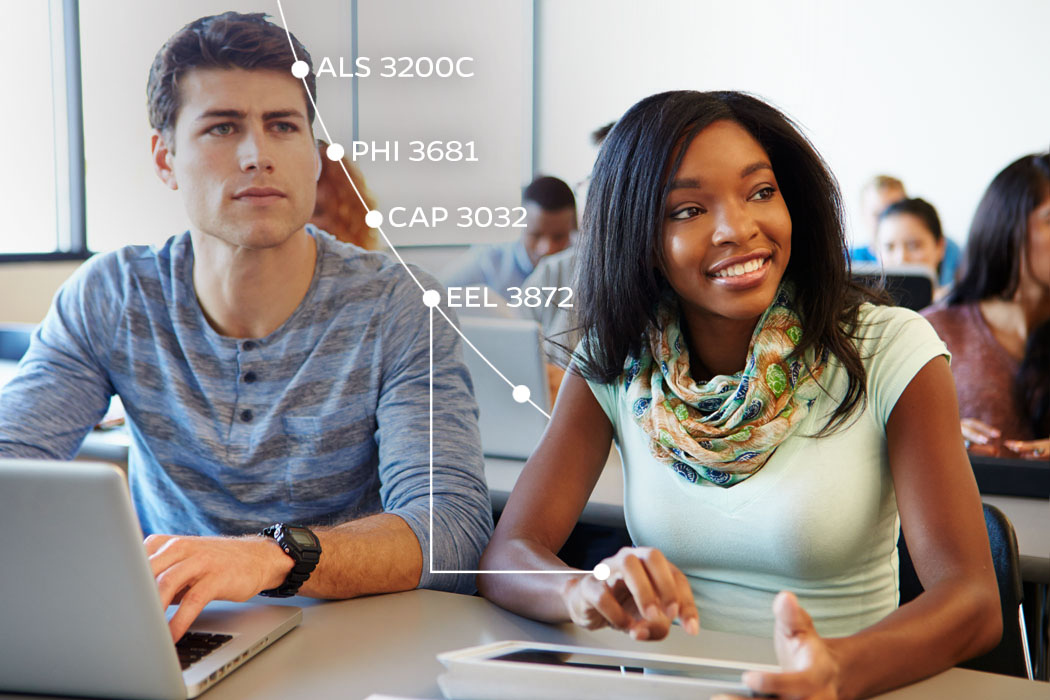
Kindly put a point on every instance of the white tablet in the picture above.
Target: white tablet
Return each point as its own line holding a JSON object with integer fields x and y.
{"x": 534, "y": 671}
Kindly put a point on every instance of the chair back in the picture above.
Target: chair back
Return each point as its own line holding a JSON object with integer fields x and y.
{"x": 14, "y": 340}
{"x": 1010, "y": 656}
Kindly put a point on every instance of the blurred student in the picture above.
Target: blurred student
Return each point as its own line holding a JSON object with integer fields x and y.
{"x": 338, "y": 210}
{"x": 995, "y": 319}
{"x": 550, "y": 221}
{"x": 877, "y": 195}
{"x": 909, "y": 233}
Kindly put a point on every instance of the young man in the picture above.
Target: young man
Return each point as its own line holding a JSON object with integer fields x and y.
{"x": 270, "y": 374}
{"x": 550, "y": 220}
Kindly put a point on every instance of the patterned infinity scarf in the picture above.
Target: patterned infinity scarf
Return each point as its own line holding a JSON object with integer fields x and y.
{"x": 726, "y": 429}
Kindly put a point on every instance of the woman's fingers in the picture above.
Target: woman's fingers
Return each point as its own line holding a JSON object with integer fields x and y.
{"x": 642, "y": 595}
{"x": 634, "y": 572}
{"x": 1029, "y": 449}
{"x": 687, "y": 611}
{"x": 978, "y": 431}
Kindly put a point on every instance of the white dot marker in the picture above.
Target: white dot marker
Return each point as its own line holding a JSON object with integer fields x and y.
{"x": 521, "y": 393}
{"x": 431, "y": 297}
{"x": 374, "y": 219}
{"x": 300, "y": 69}
{"x": 602, "y": 572}
{"x": 334, "y": 151}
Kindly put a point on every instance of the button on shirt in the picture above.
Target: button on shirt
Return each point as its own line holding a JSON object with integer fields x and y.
{"x": 323, "y": 421}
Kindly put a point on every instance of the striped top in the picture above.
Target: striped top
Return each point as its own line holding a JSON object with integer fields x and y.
{"x": 322, "y": 421}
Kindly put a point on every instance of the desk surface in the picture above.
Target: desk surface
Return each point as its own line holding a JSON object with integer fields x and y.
{"x": 387, "y": 644}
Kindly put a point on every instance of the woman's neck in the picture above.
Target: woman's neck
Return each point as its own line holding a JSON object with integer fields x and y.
{"x": 716, "y": 345}
{"x": 1011, "y": 320}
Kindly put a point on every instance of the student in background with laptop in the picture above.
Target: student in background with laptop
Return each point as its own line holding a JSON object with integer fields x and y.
{"x": 910, "y": 234}
{"x": 275, "y": 380}
{"x": 550, "y": 221}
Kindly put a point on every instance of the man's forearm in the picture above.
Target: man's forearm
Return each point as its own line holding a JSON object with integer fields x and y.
{"x": 377, "y": 554}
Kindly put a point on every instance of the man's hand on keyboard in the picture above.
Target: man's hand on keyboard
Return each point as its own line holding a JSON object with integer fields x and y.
{"x": 193, "y": 571}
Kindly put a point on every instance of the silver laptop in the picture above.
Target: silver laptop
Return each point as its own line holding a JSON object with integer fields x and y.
{"x": 79, "y": 608}
{"x": 514, "y": 346}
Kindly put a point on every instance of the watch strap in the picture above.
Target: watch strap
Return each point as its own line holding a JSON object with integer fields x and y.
{"x": 305, "y": 562}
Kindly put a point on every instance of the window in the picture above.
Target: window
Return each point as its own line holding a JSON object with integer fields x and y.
{"x": 41, "y": 185}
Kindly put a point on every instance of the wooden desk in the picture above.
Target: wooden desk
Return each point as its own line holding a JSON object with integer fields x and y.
{"x": 387, "y": 644}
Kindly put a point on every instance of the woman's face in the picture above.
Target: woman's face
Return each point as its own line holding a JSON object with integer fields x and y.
{"x": 1038, "y": 248}
{"x": 905, "y": 240}
{"x": 726, "y": 231}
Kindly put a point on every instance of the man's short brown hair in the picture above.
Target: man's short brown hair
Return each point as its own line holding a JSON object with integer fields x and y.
{"x": 229, "y": 40}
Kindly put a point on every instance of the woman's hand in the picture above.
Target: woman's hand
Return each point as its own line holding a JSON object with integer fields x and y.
{"x": 642, "y": 596}
{"x": 1029, "y": 449}
{"x": 810, "y": 671}
{"x": 980, "y": 438}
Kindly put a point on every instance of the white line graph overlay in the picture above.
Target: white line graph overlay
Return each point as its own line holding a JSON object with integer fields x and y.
{"x": 431, "y": 298}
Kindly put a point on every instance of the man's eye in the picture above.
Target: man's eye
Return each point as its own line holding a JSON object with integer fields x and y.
{"x": 224, "y": 129}
{"x": 285, "y": 127}
{"x": 686, "y": 213}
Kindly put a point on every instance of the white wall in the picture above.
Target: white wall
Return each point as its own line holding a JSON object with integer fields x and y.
{"x": 942, "y": 93}
{"x": 493, "y": 108}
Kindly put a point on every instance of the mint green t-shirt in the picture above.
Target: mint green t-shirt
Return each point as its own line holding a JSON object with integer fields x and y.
{"x": 819, "y": 519}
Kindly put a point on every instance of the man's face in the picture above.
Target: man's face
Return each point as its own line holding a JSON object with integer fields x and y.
{"x": 547, "y": 232}
{"x": 243, "y": 155}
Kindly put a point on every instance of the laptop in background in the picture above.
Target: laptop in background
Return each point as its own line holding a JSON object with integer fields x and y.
{"x": 80, "y": 611}
{"x": 508, "y": 428}
{"x": 1012, "y": 476}
{"x": 910, "y": 286}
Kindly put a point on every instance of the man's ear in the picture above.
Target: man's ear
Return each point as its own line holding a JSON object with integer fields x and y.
{"x": 163, "y": 155}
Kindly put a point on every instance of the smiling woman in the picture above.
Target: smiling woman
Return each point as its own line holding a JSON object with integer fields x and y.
{"x": 774, "y": 425}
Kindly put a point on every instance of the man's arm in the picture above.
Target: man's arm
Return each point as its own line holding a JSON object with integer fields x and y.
{"x": 389, "y": 551}
{"x": 457, "y": 529}
{"x": 62, "y": 388}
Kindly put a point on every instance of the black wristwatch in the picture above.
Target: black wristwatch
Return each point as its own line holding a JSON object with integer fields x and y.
{"x": 303, "y": 547}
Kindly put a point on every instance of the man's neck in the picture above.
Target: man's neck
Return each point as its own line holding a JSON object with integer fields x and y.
{"x": 249, "y": 293}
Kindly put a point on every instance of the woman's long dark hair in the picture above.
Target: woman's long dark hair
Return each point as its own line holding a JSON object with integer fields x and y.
{"x": 1032, "y": 383}
{"x": 999, "y": 231}
{"x": 618, "y": 281}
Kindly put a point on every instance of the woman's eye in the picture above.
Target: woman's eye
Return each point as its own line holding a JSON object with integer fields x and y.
{"x": 686, "y": 213}
{"x": 764, "y": 193}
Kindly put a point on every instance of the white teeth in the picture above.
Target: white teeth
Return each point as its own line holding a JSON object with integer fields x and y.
{"x": 737, "y": 270}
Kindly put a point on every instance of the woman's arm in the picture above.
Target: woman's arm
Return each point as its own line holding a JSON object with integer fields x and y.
{"x": 541, "y": 512}
{"x": 958, "y": 615}
{"x": 545, "y": 504}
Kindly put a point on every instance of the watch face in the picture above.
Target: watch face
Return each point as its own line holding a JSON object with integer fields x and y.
{"x": 302, "y": 537}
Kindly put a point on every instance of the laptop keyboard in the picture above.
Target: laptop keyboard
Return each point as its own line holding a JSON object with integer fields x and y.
{"x": 194, "y": 646}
